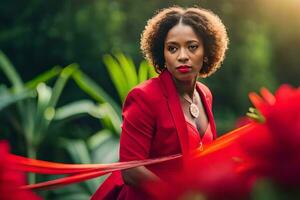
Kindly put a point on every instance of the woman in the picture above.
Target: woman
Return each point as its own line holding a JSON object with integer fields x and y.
{"x": 172, "y": 113}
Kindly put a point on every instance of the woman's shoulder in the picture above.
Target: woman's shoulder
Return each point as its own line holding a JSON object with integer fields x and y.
{"x": 205, "y": 89}
{"x": 149, "y": 89}
{"x": 152, "y": 83}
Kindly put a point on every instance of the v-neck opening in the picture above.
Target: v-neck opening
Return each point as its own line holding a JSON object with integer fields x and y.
{"x": 195, "y": 129}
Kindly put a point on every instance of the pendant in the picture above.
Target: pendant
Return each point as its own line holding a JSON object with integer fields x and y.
{"x": 194, "y": 110}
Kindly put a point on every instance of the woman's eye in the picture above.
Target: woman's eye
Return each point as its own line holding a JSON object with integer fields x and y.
{"x": 172, "y": 49}
{"x": 193, "y": 47}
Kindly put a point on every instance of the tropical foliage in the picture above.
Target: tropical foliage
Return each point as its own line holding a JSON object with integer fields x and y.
{"x": 36, "y": 104}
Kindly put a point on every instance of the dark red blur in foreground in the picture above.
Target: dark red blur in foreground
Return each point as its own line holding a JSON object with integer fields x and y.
{"x": 274, "y": 147}
{"x": 11, "y": 180}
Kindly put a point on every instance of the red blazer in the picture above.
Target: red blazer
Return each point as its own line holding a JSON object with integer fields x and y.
{"x": 153, "y": 126}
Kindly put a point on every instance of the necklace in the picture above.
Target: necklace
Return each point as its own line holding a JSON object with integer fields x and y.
{"x": 193, "y": 108}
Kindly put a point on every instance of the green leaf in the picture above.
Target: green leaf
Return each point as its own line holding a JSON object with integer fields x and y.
{"x": 116, "y": 73}
{"x": 111, "y": 120}
{"x": 143, "y": 71}
{"x": 27, "y": 110}
{"x": 75, "y": 191}
{"x": 99, "y": 138}
{"x": 44, "y": 95}
{"x": 44, "y": 77}
{"x": 47, "y": 101}
{"x": 7, "y": 98}
{"x": 61, "y": 82}
{"x": 77, "y": 149}
{"x": 107, "y": 152}
{"x": 94, "y": 90}
{"x": 128, "y": 68}
{"x": 80, "y": 154}
{"x": 78, "y": 107}
{"x": 11, "y": 73}
{"x": 147, "y": 72}
{"x": 151, "y": 71}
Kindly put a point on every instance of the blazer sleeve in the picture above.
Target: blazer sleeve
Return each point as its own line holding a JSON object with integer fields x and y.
{"x": 137, "y": 128}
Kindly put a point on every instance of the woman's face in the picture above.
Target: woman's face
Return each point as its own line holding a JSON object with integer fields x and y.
{"x": 183, "y": 52}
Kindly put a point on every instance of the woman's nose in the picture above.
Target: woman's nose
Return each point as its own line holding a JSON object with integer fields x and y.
{"x": 183, "y": 56}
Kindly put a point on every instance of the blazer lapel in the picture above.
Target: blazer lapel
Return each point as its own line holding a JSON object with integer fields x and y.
{"x": 174, "y": 105}
{"x": 207, "y": 106}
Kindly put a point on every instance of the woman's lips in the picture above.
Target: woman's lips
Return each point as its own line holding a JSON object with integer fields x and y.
{"x": 184, "y": 68}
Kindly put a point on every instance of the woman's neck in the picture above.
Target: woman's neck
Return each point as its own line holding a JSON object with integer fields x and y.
{"x": 185, "y": 87}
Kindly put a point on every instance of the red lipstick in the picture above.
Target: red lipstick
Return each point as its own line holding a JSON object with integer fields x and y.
{"x": 184, "y": 68}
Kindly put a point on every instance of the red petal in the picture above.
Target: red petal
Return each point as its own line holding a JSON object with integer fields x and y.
{"x": 256, "y": 100}
{"x": 268, "y": 96}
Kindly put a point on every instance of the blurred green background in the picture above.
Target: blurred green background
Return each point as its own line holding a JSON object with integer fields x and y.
{"x": 66, "y": 66}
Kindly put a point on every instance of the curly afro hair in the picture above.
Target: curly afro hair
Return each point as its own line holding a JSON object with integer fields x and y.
{"x": 206, "y": 25}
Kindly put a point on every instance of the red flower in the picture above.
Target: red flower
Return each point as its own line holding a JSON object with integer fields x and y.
{"x": 274, "y": 146}
{"x": 11, "y": 180}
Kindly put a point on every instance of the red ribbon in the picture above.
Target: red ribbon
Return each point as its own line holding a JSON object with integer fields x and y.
{"x": 81, "y": 172}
